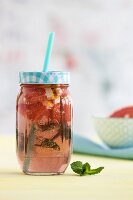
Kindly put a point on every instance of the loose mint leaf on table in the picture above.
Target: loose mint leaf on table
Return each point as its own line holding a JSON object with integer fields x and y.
{"x": 84, "y": 169}
{"x": 77, "y": 167}
{"x": 95, "y": 171}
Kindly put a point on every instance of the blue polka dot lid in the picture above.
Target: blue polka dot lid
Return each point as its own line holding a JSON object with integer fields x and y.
{"x": 50, "y": 77}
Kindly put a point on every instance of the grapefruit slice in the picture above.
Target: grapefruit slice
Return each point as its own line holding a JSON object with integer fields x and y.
{"x": 126, "y": 112}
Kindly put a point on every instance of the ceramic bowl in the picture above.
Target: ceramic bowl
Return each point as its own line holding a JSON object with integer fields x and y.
{"x": 115, "y": 132}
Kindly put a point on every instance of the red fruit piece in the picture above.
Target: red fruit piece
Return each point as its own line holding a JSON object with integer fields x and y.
{"x": 56, "y": 113}
{"x": 123, "y": 112}
{"x": 33, "y": 111}
{"x": 67, "y": 112}
{"x": 34, "y": 95}
{"x": 61, "y": 113}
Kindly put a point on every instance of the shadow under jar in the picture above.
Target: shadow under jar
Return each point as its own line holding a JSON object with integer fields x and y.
{"x": 44, "y": 123}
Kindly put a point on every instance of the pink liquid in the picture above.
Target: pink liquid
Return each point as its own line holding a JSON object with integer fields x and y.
{"x": 43, "y": 129}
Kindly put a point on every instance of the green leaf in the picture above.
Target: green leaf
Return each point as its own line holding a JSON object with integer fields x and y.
{"x": 95, "y": 171}
{"x": 49, "y": 143}
{"x": 84, "y": 169}
{"x": 77, "y": 167}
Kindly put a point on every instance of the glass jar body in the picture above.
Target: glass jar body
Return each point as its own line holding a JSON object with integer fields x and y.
{"x": 44, "y": 128}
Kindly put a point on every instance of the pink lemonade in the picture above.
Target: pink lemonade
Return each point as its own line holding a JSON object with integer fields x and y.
{"x": 44, "y": 128}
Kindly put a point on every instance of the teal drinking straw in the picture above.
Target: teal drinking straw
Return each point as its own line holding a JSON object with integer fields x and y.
{"x": 48, "y": 51}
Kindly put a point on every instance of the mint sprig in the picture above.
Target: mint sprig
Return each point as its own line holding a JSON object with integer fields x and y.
{"x": 84, "y": 169}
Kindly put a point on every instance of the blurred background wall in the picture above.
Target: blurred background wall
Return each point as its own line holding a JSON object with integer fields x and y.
{"x": 94, "y": 41}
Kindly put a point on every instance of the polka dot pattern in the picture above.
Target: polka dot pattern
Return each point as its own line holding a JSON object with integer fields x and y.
{"x": 115, "y": 132}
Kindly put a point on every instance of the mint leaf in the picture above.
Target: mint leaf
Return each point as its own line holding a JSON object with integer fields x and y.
{"x": 95, "y": 171}
{"x": 84, "y": 169}
{"x": 77, "y": 167}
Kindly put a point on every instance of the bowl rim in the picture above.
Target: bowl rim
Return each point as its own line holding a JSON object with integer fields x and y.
{"x": 112, "y": 118}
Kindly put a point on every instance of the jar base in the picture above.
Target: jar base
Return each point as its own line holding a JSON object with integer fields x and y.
{"x": 43, "y": 173}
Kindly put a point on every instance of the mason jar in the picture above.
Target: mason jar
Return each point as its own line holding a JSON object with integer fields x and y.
{"x": 44, "y": 122}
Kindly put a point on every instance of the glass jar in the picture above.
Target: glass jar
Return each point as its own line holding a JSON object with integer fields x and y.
{"x": 44, "y": 123}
